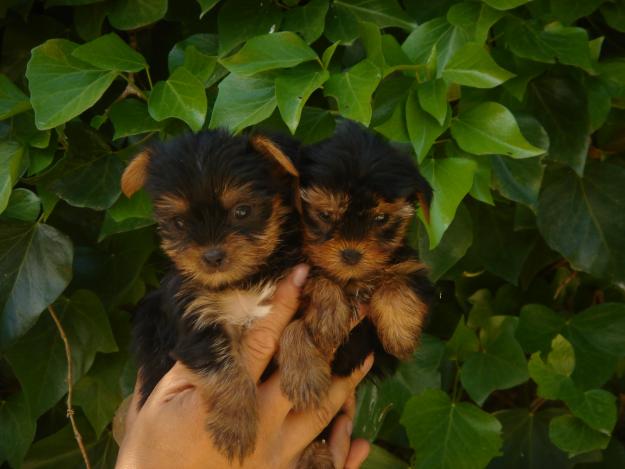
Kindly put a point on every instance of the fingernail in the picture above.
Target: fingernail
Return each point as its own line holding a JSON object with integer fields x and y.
{"x": 349, "y": 427}
{"x": 299, "y": 275}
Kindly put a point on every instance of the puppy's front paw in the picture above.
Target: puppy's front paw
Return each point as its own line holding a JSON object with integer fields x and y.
{"x": 304, "y": 373}
{"x": 317, "y": 455}
{"x": 398, "y": 314}
{"x": 305, "y": 386}
{"x": 233, "y": 418}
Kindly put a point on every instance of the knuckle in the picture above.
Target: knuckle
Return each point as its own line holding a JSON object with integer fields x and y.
{"x": 285, "y": 302}
{"x": 323, "y": 415}
{"x": 261, "y": 343}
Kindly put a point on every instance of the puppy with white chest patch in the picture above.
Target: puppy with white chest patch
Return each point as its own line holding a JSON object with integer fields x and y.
{"x": 225, "y": 215}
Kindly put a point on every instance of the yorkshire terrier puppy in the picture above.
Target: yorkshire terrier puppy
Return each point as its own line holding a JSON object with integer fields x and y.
{"x": 224, "y": 209}
{"x": 358, "y": 197}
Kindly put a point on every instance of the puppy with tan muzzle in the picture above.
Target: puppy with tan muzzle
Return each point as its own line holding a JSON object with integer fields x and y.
{"x": 225, "y": 214}
{"x": 358, "y": 198}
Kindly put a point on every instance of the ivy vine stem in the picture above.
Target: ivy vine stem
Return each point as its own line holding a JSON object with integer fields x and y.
{"x": 70, "y": 409}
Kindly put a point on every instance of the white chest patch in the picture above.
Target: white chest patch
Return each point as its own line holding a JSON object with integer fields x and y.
{"x": 241, "y": 307}
{"x": 235, "y": 307}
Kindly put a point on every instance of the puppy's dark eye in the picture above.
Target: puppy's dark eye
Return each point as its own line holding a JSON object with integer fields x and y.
{"x": 178, "y": 222}
{"x": 380, "y": 218}
{"x": 242, "y": 211}
{"x": 325, "y": 216}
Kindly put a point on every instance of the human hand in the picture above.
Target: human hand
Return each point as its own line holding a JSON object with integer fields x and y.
{"x": 169, "y": 430}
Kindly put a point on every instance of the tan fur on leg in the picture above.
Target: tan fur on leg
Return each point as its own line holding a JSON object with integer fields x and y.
{"x": 329, "y": 314}
{"x": 317, "y": 455}
{"x": 398, "y": 314}
{"x": 233, "y": 416}
{"x": 304, "y": 372}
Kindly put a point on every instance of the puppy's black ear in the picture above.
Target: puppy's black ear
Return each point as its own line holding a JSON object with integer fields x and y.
{"x": 136, "y": 173}
{"x": 268, "y": 148}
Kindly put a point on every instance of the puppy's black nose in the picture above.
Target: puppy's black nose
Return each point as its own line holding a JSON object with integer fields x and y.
{"x": 214, "y": 257}
{"x": 351, "y": 256}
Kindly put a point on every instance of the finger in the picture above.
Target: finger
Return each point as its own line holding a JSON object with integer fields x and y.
{"x": 358, "y": 452}
{"x": 339, "y": 441}
{"x": 261, "y": 340}
{"x": 302, "y": 427}
{"x": 273, "y": 406}
{"x": 178, "y": 379}
{"x": 349, "y": 407}
{"x": 133, "y": 407}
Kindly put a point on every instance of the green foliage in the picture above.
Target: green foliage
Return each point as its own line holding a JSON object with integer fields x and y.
{"x": 514, "y": 111}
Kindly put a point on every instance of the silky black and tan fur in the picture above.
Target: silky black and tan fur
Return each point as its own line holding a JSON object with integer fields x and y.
{"x": 224, "y": 209}
{"x": 358, "y": 197}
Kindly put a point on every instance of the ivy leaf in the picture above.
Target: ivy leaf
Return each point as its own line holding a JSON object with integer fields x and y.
{"x": 384, "y": 13}
{"x": 206, "y": 6}
{"x": 588, "y": 208}
{"x": 451, "y": 179}
{"x": 315, "y": 125}
{"x": 538, "y": 325}
{"x": 597, "y": 408}
{"x": 603, "y": 326}
{"x": 433, "y": 99}
{"x": 98, "y": 392}
{"x": 17, "y": 429}
{"x": 181, "y": 96}
{"x": 490, "y": 128}
{"x": 379, "y": 457}
{"x": 61, "y": 86}
{"x": 572, "y": 435}
{"x": 341, "y": 24}
{"x": 560, "y": 104}
{"x": 243, "y": 101}
{"x": 567, "y": 45}
{"x": 571, "y": 11}
{"x": 12, "y": 100}
{"x": 452, "y": 247}
{"x": 462, "y": 342}
{"x": 474, "y": 18}
{"x": 109, "y": 52}
{"x": 450, "y": 435}
{"x": 267, "y": 52}
{"x": 37, "y": 264}
{"x": 38, "y": 358}
{"x": 131, "y": 117}
{"x": 294, "y": 87}
{"x": 434, "y": 40}
{"x": 500, "y": 364}
{"x": 526, "y": 441}
{"x": 23, "y": 205}
{"x": 308, "y": 20}
{"x": 505, "y": 4}
{"x": 133, "y": 14}
{"x": 92, "y": 183}
{"x": 239, "y": 20}
{"x": 198, "y": 54}
{"x": 423, "y": 129}
{"x": 553, "y": 375}
{"x": 472, "y": 66}
{"x": 11, "y": 154}
{"x": 500, "y": 248}
{"x": 353, "y": 88}
{"x": 518, "y": 180}
{"x": 127, "y": 215}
